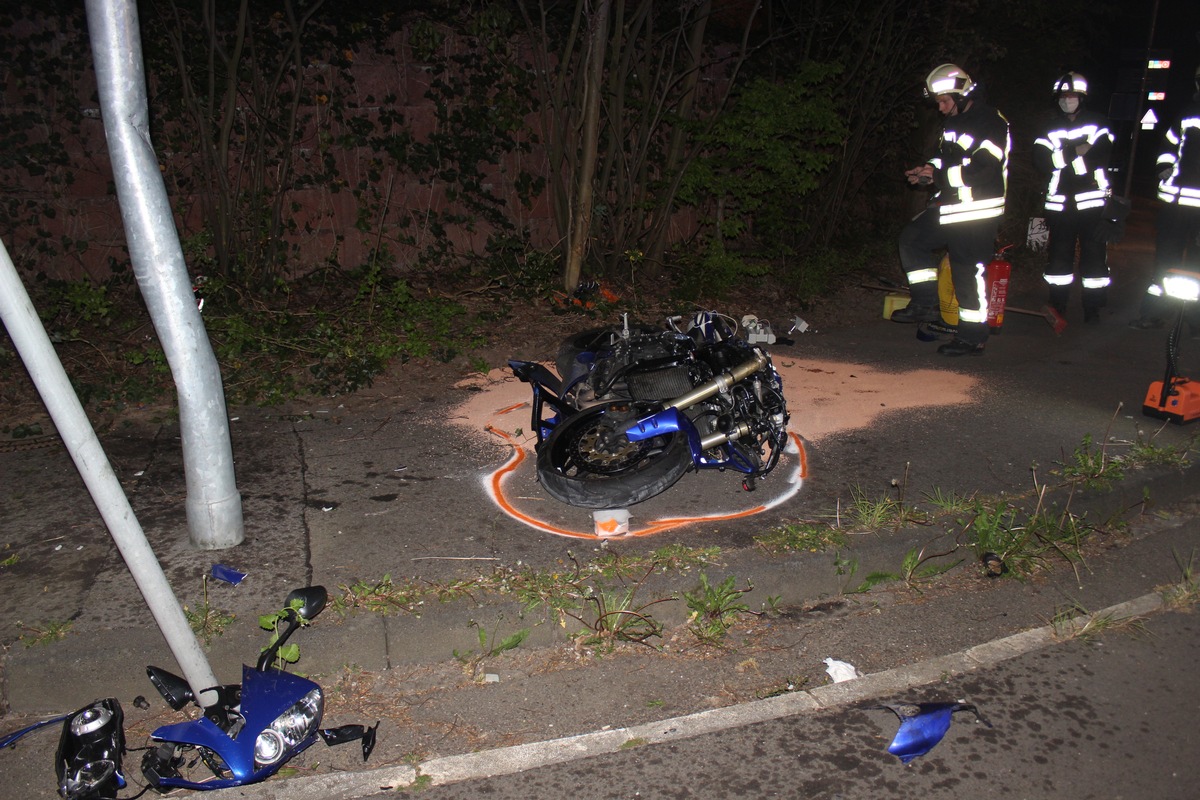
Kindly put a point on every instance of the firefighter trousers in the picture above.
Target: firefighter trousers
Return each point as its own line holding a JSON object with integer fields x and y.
{"x": 1071, "y": 229}
{"x": 970, "y": 246}
{"x": 1176, "y": 245}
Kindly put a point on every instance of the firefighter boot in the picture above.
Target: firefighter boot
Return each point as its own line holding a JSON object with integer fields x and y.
{"x": 923, "y": 307}
{"x": 1059, "y": 297}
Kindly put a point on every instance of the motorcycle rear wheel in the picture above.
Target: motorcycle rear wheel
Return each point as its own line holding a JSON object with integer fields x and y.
{"x": 585, "y": 464}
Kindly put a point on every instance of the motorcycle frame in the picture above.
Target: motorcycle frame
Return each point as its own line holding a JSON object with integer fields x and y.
{"x": 546, "y": 390}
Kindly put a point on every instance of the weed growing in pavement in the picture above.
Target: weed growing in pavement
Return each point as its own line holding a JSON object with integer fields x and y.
{"x": 1186, "y": 591}
{"x": 813, "y": 537}
{"x": 715, "y": 608}
{"x": 381, "y": 597}
{"x": 555, "y": 590}
{"x": 1092, "y": 467}
{"x": 51, "y": 633}
{"x": 488, "y": 648}
{"x": 205, "y": 620}
{"x": 995, "y": 532}
{"x": 793, "y": 684}
{"x": 614, "y": 615}
{"x": 1095, "y": 467}
{"x": 1144, "y": 453}
{"x": 671, "y": 558}
{"x": 289, "y": 653}
{"x": 949, "y": 503}
{"x": 866, "y": 514}
{"x": 845, "y": 565}
{"x": 1073, "y": 621}
{"x": 916, "y": 569}
{"x": 11, "y": 560}
{"x": 419, "y": 784}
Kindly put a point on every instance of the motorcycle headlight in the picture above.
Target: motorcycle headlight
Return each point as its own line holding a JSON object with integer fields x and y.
{"x": 289, "y": 729}
{"x": 85, "y": 780}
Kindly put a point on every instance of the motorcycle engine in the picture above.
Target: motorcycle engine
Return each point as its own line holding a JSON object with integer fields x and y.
{"x": 724, "y": 356}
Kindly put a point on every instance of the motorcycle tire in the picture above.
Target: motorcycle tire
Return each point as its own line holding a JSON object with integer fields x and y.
{"x": 576, "y": 467}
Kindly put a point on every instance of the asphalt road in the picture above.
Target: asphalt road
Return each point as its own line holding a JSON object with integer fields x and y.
{"x": 1109, "y": 716}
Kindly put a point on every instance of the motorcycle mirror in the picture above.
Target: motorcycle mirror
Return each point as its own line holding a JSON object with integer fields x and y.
{"x": 311, "y": 598}
{"x": 350, "y": 733}
{"x": 368, "y": 743}
{"x": 174, "y": 689}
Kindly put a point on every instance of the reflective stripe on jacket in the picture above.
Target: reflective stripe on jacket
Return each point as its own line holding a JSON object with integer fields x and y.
{"x": 1072, "y": 179}
{"x": 1180, "y": 159}
{"x": 972, "y": 165}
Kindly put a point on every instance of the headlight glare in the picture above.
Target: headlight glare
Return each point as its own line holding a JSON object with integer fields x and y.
{"x": 1182, "y": 285}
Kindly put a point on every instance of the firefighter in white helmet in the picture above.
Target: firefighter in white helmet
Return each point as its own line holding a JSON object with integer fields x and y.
{"x": 1071, "y": 154}
{"x": 969, "y": 175}
{"x": 1178, "y": 219}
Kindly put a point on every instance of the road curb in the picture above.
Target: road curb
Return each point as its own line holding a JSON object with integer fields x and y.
{"x": 518, "y": 758}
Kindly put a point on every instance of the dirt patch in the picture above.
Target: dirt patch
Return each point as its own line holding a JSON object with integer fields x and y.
{"x": 818, "y": 387}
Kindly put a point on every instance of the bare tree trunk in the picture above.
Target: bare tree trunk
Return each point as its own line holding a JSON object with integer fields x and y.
{"x": 581, "y": 222}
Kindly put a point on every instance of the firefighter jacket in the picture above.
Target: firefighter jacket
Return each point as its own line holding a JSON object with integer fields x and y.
{"x": 972, "y": 165}
{"x": 1075, "y": 179}
{"x": 1179, "y": 162}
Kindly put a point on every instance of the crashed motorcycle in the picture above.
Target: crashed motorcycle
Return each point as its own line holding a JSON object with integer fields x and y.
{"x": 251, "y": 731}
{"x": 255, "y": 727}
{"x": 633, "y": 408}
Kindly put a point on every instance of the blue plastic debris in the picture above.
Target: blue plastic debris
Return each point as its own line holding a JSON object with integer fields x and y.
{"x": 11, "y": 739}
{"x": 922, "y": 726}
{"x": 228, "y": 574}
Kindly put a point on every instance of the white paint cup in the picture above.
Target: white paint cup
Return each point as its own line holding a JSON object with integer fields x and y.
{"x": 611, "y": 521}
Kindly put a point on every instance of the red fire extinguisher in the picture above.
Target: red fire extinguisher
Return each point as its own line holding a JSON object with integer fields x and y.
{"x": 999, "y": 270}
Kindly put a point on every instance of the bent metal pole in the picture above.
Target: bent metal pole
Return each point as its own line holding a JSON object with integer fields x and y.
{"x": 33, "y": 345}
{"x": 214, "y": 506}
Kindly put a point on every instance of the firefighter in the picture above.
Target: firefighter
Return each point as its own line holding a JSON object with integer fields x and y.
{"x": 969, "y": 174}
{"x": 1072, "y": 154}
{"x": 1178, "y": 219}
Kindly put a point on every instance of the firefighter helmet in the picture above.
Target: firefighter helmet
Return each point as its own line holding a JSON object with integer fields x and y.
{"x": 948, "y": 79}
{"x": 1071, "y": 82}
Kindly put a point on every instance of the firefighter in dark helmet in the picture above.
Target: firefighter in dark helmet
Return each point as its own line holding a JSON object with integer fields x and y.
{"x": 1071, "y": 153}
{"x": 969, "y": 173}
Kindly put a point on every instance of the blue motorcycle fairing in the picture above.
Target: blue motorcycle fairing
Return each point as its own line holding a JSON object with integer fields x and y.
{"x": 265, "y": 695}
{"x": 923, "y": 725}
{"x": 671, "y": 420}
{"x": 12, "y": 738}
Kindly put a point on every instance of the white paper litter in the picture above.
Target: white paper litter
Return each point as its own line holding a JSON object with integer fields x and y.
{"x": 840, "y": 670}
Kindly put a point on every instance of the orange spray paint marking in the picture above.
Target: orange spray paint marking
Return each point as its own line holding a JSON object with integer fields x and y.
{"x": 507, "y": 410}
{"x": 495, "y": 489}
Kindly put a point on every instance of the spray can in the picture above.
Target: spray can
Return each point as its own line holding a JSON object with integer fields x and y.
{"x": 996, "y": 277}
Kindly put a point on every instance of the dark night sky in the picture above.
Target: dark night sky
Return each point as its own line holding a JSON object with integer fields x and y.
{"x": 1120, "y": 69}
